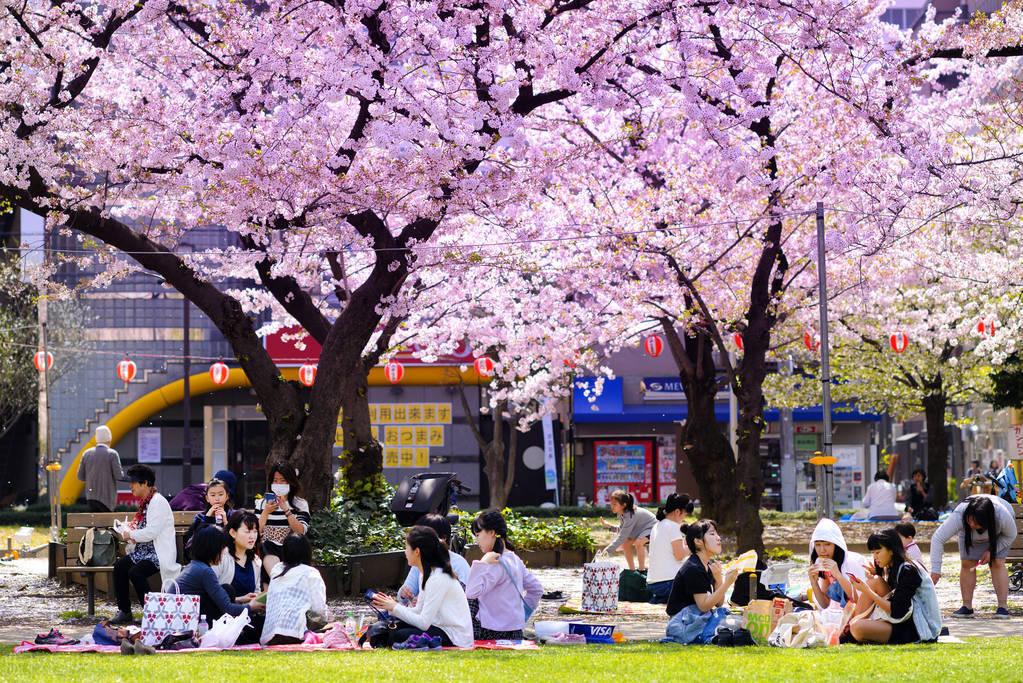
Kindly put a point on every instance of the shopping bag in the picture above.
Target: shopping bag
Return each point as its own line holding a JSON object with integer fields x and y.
{"x": 165, "y": 613}
{"x": 799, "y": 630}
{"x": 225, "y": 631}
{"x": 600, "y": 587}
{"x": 632, "y": 586}
{"x": 761, "y": 616}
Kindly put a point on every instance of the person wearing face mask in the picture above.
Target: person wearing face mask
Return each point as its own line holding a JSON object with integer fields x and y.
{"x": 282, "y": 514}
{"x": 699, "y": 589}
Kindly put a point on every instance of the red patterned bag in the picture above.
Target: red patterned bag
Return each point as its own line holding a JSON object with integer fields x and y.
{"x": 166, "y": 613}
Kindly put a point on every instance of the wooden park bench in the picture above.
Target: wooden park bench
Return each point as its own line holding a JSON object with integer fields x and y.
{"x": 79, "y": 523}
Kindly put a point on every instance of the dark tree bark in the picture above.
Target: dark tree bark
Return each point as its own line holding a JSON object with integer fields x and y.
{"x": 935, "y": 405}
{"x": 704, "y": 448}
{"x": 499, "y": 457}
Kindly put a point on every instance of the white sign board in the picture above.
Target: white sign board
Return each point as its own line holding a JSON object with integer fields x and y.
{"x": 149, "y": 444}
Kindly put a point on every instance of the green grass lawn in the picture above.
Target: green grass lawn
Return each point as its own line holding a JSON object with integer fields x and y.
{"x": 973, "y": 661}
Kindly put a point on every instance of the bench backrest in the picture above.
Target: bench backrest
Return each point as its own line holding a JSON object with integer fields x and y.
{"x": 101, "y": 519}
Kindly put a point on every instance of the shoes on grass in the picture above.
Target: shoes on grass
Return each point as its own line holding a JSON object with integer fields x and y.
{"x": 963, "y": 612}
{"x": 1001, "y": 613}
{"x": 419, "y": 641}
{"x": 54, "y": 637}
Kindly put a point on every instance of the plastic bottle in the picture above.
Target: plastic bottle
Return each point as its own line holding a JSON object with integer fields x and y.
{"x": 203, "y": 626}
{"x": 350, "y": 626}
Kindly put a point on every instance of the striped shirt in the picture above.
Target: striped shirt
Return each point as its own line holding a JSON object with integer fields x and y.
{"x": 277, "y": 527}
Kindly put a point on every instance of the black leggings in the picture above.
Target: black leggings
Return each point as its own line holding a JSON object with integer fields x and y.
{"x": 128, "y": 573}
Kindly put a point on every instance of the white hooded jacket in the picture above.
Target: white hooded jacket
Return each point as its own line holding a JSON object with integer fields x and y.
{"x": 827, "y": 530}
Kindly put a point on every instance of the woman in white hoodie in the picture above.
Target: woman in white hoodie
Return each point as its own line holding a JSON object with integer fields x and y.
{"x": 440, "y": 616}
{"x": 831, "y": 564}
{"x": 151, "y": 544}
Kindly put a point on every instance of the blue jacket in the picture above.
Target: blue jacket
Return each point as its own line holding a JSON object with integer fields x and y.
{"x": 198, "y": 578}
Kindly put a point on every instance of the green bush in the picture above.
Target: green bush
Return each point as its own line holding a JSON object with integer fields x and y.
{"x": 532, "y": 533}
{"x": 356, "y": 526}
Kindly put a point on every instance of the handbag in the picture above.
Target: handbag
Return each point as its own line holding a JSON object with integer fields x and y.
{"x": 526, "y": 609}
{"x": 166, "y": 613}
{"x": 600, "y": 587}
{"x": 632, "y": 587}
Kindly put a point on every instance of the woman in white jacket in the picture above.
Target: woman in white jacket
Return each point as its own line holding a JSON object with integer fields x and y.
{"x": 441, "y": 615}
{"x": 296, "y": 600}
{"x": 151, "y": 545}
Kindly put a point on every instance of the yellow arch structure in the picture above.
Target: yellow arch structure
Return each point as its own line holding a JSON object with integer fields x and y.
{"x": 141, "y": 409}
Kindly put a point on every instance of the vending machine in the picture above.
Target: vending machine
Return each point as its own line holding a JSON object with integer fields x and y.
{"x": 626, "y": 465}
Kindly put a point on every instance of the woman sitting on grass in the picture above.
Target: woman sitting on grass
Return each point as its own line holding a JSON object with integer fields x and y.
{"x": 634, "y": 527}
{"x": 667, "y": 546}
{"x": 500, "y": 582}
{"x": 441, "y": 613}
{"x": 831, "y": 563}
{"x": 296, "y": 600}
{"x": 243, "y": 564}
{"x": 908, "y": 613}
{"x": 198, "y": 578}
{"x": 698, "y": 591}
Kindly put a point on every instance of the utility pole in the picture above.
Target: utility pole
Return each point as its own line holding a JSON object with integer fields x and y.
{"x": 186, "y": 366}
{"x": 824, "y": 460}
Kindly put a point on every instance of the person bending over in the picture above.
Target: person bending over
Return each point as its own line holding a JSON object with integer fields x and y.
{"x": 634, "y": 527}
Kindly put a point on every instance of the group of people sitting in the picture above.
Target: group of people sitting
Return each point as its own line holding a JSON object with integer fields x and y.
{"x": 262, "y": 563}
{"x": 891, "y": 598}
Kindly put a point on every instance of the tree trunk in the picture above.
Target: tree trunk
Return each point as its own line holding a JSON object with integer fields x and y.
{"x": 937, "y": 447}
{"x": 704, "y": 446}
{"x": 495, "y": 460}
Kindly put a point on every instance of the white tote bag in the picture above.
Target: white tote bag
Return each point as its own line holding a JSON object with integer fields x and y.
{"x": 600, "y": 587}
{"x": 165, "y": 613}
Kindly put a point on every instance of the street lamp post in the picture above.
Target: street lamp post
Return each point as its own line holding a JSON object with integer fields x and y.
{"x": 825, "y": 460}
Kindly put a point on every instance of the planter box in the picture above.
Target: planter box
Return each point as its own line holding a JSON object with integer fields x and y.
{"x": 373, "y": 570}
{"x": 541, "y": 558}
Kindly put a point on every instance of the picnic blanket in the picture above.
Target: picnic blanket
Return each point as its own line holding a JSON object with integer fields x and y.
{"x": 29, "y": 646}
{"x": 574, "y": 606}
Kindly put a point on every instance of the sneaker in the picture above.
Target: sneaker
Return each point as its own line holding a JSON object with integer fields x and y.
{"x": 122, "y": 618}
{"x": 1001, "y": 613}
{"x": 419, "y": 641}
{"x": 127, "y": 648}
{"x": 143, "y": 649}
{"x": 963, "y": 612}
{"x": 54, "y": 637}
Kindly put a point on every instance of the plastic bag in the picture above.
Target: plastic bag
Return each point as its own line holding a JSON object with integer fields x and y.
{"x": 225, "y": 631}
{"x": 747, "y": 562}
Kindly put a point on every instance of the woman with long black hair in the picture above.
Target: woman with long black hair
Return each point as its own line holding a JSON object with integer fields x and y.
{"x": 986, "y": 527}
{"x": 282, "y": 512}
{"x": 634, "y": 527}
{"x": 668, "y": 548}
{"x": 905, "y": 603}
{"x": 440, "y": 616}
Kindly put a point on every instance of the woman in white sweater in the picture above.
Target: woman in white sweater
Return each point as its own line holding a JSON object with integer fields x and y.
{"x": 441, "y": 614}
{"x": 296, "y": 600}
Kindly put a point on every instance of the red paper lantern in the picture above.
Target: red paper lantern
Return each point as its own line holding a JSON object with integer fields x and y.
{"x": 394, "y": 371}
{"x": 737, "y": 338}
{"x": 37, "y": 360}
{"x": 307, "y": 374}
{"x": 653, "y": 345}
{"x": 484, "y": 367}
{"x": 898, "y": 341}
{"x": 219, "y": 373}
{"x": 811, "y": 341}
{"x": 126, "y": 370}
{"x": 986, "y": 327}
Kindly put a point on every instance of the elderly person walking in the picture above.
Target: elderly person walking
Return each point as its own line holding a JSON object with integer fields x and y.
{"x": 100, "y": 469}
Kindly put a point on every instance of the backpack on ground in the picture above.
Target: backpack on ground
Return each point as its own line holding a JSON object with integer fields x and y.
{"x": 98, "y": 548}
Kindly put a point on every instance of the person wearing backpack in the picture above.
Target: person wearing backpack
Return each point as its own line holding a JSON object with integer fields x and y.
{"x": 507, "y": 592}
{"x": 100, "y": 469}
{"x": 906, "y": 606}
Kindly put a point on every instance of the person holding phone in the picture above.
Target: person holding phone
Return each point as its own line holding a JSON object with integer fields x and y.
{"x": 905, "y": 603}
{"x": 282, "y": 512}
{"x": 699, "y": 589}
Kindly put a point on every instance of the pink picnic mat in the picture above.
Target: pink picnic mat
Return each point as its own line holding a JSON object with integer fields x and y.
{"x": 28, "y": 646}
